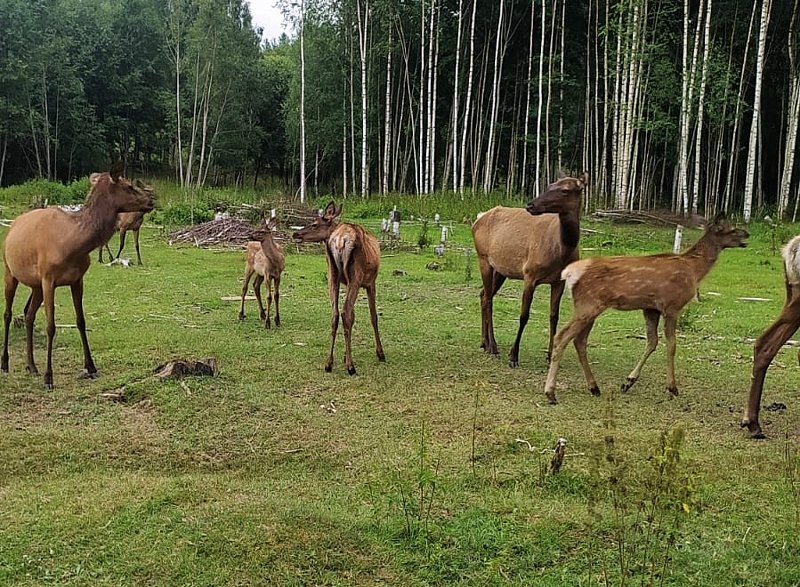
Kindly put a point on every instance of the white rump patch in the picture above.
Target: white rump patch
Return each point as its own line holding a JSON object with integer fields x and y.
{"x": 573, "y": 272}
{"x": 791, "y": 260}
{"x": 342, "y": 246}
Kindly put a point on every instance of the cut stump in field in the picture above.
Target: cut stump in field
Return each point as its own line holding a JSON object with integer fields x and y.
{"x": 178, "y": 368}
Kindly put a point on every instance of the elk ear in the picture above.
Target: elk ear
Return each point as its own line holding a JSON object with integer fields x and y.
{"x": 138, "y": 183}
{"x": 94, "y": 178}
{"x": 720, "y": 218}
{"x": 272, "y": 224}
{"x": 560, "y": 175}
{"x": 116, "y": 171}
{"x": 330, "y": 211}
{"x": 583, "y": 180}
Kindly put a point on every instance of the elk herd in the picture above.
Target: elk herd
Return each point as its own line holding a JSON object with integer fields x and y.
{"x": 49, "y": 248}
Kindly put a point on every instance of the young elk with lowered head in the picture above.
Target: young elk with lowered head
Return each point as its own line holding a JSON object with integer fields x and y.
{"x": 774, "y": 337}
{"x": 48, "y": 248}
{"x": 353, "y": 257}
{"x": 659, "y": 285}
{"x": 266, "y": 260}
{"x": 534, "y": 246}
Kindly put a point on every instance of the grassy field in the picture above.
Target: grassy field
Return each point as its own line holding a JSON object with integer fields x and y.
{"x": 411, "y": 472}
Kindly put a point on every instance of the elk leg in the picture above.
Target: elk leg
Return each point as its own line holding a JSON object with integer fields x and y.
{"x": 563, "y": 338}
{"x": 556, "y": 291}
{"x": 581, "y": 340}
{"x": 527, "y": 297}
{"x": 89, "y": 370}
{"x": 492, "y": 281}
{"x": 122, "y": 232}
{"x": 31, "y": 308}
{"x": 651, "y": 318}
{"x": 333, "y": 291}
{"x": 257, "y": 289}
{"x": 766, "y": 347}
{"x": 248, "y": 273}
{"x": 373, "y": 315}
{"x": 277, "y": 295}
{"x": 48, "y": 291}
{"x": 10, "y": 290}
{"x": 348, "y": 317}
{"x": 670, "y": 327}
{"x": 268, "y": 288}
{"x": 136, "y": 243}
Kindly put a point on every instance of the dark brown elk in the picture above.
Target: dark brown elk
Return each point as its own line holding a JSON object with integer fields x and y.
{"x": 126, "y": 221}
{"x": 49, "y": 248}
{"x": 659, "y": 285}
{"x": 353, "y": 257}
{"x": 266, "y": 260}
{"x": 534, "y": 246}
{"x": 774, "y": 337}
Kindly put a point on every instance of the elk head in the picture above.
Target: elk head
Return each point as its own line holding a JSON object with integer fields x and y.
{"x": 561, "y": 197}
{"x": 123, "y": 195}
{"x": 321, "y": 228}
{"x": 725, "y": 235}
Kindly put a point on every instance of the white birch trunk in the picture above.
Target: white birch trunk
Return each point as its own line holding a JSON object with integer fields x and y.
{"x": 362, "y": 47}
{"x": 792, "y": 116}
{"x": 537, "y": 174}
{"x": 302, "y": 102}
{"x": 701, "y": 111}
{"x": 752, "y": 153}
{"x": 468, "y": 101}
{"x": 526, "y": 123}
{"x": 456, "y": 97}
{"x": 387, "y": 126}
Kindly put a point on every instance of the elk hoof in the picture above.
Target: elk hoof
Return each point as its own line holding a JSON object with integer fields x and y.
{"x": 86, "y": 374}
{"x": 595, "y": 391}
{"x": 629, "y": 381}
{"x": 513, "y": 363}
{"x": 277, "y": 321}
{"x": 263, "y": 315}
{"x": 328, "y": 368}
{"x": 33, "y": 370}
{"x": 673, "y": 391}
{"x": 754, "y": 428}
{"x": 4, "y": 367}
{"x": 551, "y": 397}
{"x": 267, "y": 324}
{"x": 241, "y": 315}
{"x": 351, "y": 370}
{"x": 381, "y": 357}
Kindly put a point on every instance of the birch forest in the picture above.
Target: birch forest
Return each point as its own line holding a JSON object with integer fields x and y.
{"x": 688, "y": 105}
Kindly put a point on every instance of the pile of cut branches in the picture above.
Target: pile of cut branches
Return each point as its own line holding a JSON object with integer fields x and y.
{"x": 222, "y": 232}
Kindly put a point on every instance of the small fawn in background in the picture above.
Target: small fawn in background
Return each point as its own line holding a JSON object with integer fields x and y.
{"x": 266, "y": 260}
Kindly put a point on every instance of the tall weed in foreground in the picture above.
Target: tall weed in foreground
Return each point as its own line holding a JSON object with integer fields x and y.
{"x": 791, "y": 475}
{"x": 636, "y": 509}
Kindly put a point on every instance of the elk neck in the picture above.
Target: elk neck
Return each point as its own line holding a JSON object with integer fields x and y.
{"x": 98, "y": 219}
{"x": 702, "y": 256}
{"x": 570, "y": 229}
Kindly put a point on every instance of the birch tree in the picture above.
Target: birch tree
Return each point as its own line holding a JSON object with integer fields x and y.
{"x": 755, "y": 127}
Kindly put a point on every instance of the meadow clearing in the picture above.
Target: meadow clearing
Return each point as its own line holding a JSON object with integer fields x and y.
{"x": 412, "y": 472}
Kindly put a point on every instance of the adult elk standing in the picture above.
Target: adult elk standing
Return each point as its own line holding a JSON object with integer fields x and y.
{"x": 266, "y": 260}
{"x": 533, "y": 245}
{"x": 774, "y": 337}
{"x": 353, "y": 257}
{"x": 659, "y": 285}
{"x": 48, "y": 248}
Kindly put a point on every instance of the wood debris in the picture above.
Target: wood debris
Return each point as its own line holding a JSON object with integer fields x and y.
{"x": 178, "y": 368}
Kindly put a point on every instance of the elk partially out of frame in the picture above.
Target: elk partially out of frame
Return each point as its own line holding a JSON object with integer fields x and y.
{"x": 48, "y": 248}
{"x": 266, "y": 260}
{"x": 659, "y": 285}
{"x": 774, "y": 337}
{"x": 533, "y": 245}
{"x": 353, "y": 257}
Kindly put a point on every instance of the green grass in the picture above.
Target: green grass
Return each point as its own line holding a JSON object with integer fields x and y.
{"x": 416, "y": 477}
